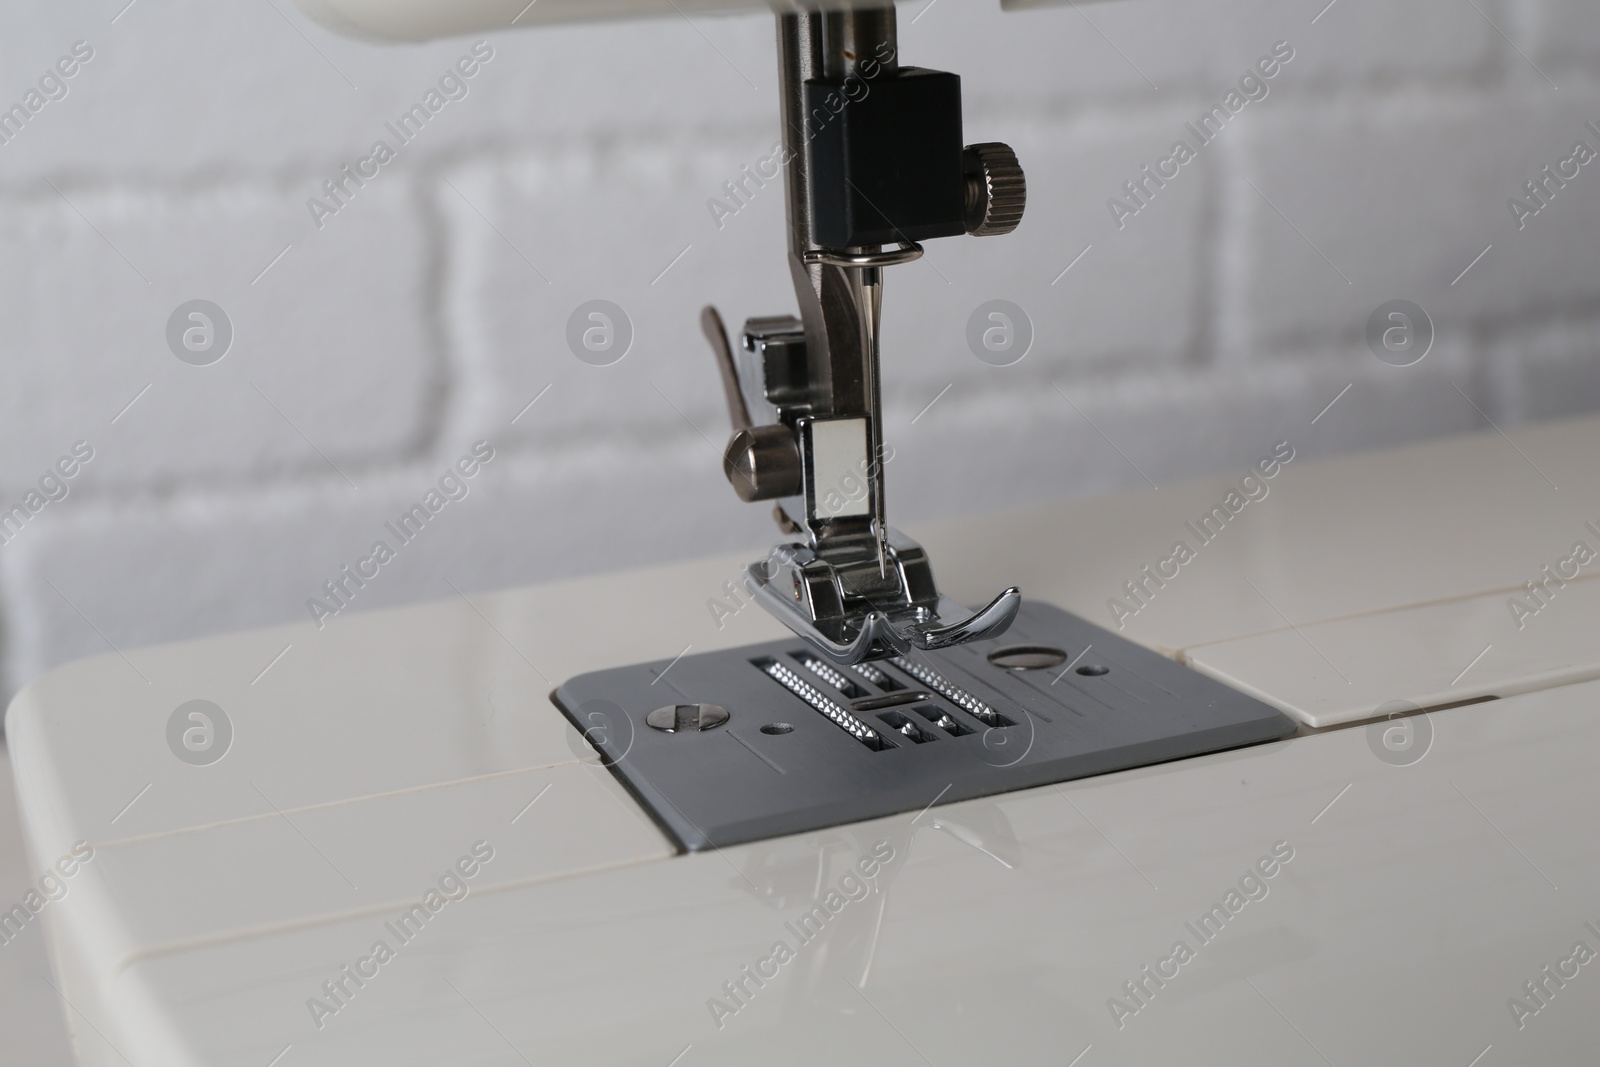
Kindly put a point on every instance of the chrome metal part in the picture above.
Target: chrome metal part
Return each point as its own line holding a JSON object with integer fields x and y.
{"x": 850, "y": 613}
{"x": 717, "y": 336}
{"x": 829, "y": 674}
{"x": 804, "y": 394}
{"x": 949, "y": 690}
{"x": 823, "y": 703}
{"x": 687, "y": 718}
{"x": 873, "y": 675}
{"x": 762, "y": 463}
{"x": 904, "y": 252}
{"x": 1028, "y": 657}
{"x": 890, "y": 700}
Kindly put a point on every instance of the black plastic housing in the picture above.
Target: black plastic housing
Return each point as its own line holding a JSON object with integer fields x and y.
{"x": 885, "y": 158}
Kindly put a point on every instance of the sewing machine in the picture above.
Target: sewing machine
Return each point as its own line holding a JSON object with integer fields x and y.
{"x": 1262, "y": 803}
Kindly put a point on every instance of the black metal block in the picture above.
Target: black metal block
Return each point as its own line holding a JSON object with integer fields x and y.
{"x": 885, "y": 158}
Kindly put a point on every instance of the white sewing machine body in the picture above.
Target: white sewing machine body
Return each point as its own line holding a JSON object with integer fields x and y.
{"x": 419, "y": 20}
{"x": 393, "y": 848}
{"x": 1374, "y": 893}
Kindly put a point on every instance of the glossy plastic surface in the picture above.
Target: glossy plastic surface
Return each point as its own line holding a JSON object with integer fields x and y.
{"x": 1423, "y": 872}
{"x": 418, "y": 20}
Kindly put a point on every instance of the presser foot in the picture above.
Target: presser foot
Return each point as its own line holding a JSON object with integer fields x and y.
{"x": 860, "y": 608}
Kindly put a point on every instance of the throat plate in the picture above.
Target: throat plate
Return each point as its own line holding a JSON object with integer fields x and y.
{"x": 808, "y": 744}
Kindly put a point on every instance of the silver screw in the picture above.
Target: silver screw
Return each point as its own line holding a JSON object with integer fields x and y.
{"x": 689, "y": 718}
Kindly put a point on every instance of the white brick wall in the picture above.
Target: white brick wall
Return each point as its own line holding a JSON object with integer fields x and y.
{"x": 427, "y": 313}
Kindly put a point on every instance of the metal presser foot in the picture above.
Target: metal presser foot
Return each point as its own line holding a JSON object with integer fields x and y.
{"x": 852, "y": 612}
{"x": 770, "y": 740}
{"x": 874, "y": 163}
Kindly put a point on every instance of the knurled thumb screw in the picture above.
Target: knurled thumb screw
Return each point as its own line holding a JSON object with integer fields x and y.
{"x": 997, "y": 190}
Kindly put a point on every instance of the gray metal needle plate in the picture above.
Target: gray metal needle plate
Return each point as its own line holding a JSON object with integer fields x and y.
{"x": 808, "y": 744}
